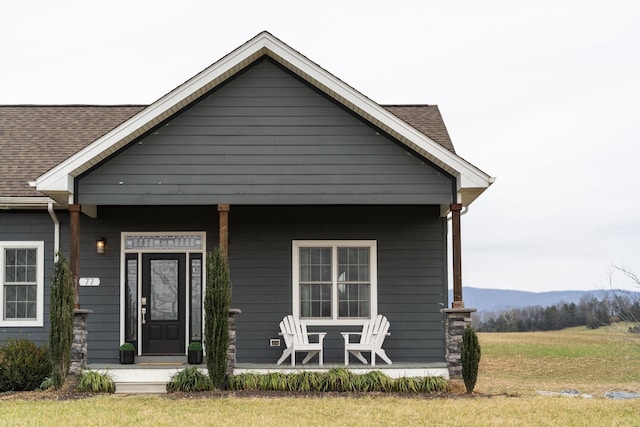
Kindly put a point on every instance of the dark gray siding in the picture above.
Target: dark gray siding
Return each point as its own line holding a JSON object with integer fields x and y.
{"x": 104, "y": 300}
{"x": 265, "y": 138}
{"x": 412, "y": 274}
{"x": 30, "y": 226}
{"x": 411, "y": 269}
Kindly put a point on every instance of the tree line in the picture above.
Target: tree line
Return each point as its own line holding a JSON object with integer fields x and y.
{"x": 590, "y": 312}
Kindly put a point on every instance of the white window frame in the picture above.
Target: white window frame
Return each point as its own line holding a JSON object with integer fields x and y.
{"x": 39, "y": 247}
{"x": 334, "y": 244}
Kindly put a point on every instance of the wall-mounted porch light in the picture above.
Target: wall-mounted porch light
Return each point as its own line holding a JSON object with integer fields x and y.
{"x": 100, "y": 245}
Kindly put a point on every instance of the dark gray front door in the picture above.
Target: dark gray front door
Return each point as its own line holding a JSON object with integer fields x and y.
{"x": 163, "y": 301}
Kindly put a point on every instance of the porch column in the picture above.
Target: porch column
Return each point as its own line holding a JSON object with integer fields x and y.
{"x": 74, "y": 251}
{"x": 456, "y": 321}
{"x": 223, "y": 214}
{"x": 457, "y": 255}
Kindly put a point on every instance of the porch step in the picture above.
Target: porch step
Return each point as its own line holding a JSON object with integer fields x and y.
{"x": 143, "y": 379}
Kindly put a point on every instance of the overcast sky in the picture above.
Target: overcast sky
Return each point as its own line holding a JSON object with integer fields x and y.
{"x": 543, "y": 95}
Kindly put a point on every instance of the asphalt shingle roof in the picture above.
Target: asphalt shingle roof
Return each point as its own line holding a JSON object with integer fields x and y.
{"x": 35, "y": 138}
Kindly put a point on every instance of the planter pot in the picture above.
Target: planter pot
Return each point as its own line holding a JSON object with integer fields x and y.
{"x": 194, "y": 357}
{"x": 127, "y": 357}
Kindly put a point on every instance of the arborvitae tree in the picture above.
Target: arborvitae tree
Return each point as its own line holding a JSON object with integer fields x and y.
{"x": 61, "y": 315}
{"x": 217, "y": 300}
{"x": 470, "y": 358}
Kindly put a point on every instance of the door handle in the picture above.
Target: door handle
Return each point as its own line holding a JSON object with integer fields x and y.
{"x": 144, "y": 315}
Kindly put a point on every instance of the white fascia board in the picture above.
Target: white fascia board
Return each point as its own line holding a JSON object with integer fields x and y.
{"x": 24, "y": 202}
{"x": 60, "y": 178}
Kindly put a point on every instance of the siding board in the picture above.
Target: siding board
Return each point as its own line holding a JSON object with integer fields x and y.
{"x": 265, "y": 138}
{"x": 264, "y": 294}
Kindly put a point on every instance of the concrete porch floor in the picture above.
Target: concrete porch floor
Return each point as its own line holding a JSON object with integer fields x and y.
{"x": 151, "y": 374}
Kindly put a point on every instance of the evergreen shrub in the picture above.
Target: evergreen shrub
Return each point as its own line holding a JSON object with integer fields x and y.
{"x": 470, "y": 358}
{"x": 23, "y": 365}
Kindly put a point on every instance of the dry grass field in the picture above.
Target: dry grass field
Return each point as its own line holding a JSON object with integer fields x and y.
{"x": 590, "y": 361}
{"x": 513, "y": 368}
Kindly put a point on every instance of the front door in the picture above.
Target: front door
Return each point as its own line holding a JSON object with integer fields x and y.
{"x": 163, "y": 303}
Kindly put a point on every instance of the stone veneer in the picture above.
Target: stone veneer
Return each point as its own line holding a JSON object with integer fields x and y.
{"x": 79, "y": 344}
{"x": 456, "y": 321}
{"x": 231, "y": 351}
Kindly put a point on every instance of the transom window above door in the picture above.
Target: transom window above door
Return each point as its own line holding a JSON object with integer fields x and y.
{"x": 334, "y": 282}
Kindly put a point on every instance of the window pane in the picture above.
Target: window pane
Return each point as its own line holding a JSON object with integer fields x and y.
{"x": 20, "y": 274}
{"x": 315, "y": 300}
{"x": 10, "y": 293}
{"x": 31, "y": 274}
{"x": 353, "y": 264}
{"x": 326, "y": 309}
{"x": 305, "y": 273}
{"x": 10, "y": 273}
{"x": 20, "y": 301}
{"x": 31, "y": 292}
{"x": 31, "y": 310}
{"x": 31, "y": 257}
{"x": 20, "y": 292}
{"x": 10, "y": 256}
{"x": 354, "y": 301}
{"x": 10, "y": 310}
{"x": 21, "y": 257}
{"x": 21, "y": 310}
{"x": 315, "y": 264}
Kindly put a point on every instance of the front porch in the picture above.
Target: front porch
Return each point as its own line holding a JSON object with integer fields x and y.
{"x": 151, "y": 374}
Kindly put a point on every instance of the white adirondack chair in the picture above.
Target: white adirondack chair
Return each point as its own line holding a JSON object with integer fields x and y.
{"x": 296, "y": 338}
{"x": 371, "y": 338}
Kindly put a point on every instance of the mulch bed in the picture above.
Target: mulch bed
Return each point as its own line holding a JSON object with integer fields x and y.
{"x": 456, "y": 391}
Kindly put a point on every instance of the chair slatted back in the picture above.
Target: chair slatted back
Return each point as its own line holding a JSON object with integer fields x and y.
{"x": 375, "y": 331}
{"x": 293, "y": 331}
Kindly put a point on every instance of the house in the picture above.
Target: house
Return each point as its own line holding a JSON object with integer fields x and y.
{"x": 331, "y": 208}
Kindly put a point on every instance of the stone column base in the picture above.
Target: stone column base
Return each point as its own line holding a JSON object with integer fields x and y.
{"x": 79, "y": 345}
{"x": 231, "y": 351}
{"x": 456, "y": 321}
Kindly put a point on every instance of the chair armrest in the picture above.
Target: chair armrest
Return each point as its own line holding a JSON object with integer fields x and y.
{"x": 346, "y": 335}
{"x": 320, "y": 335}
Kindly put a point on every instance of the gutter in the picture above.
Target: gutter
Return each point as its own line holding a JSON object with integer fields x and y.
{"x": 24, "y": 203}
{"x": 56, "y": 231}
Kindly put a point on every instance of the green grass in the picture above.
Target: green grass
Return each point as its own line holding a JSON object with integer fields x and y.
{"x": 513, "y": 367}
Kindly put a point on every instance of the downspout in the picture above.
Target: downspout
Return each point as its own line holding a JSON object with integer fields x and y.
{"x": 56, "y": 231}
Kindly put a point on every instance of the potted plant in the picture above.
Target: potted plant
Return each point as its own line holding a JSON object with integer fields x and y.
{"x": 127, "y": 353}
{"x": 194, "y": 353}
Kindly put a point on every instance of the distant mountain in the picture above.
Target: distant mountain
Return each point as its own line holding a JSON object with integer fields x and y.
{"x": 501, "y": 299}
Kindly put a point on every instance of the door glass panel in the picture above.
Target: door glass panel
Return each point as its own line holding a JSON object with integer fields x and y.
{"x": 164, "y": 289}
{"x": 196, "y": 299}
{"x": 131, "y": 301}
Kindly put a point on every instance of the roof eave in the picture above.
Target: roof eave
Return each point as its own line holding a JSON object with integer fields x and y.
{"x": 9, "y": 203}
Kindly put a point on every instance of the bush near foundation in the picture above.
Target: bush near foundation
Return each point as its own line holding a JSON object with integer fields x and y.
{"x": 23, "y": 365}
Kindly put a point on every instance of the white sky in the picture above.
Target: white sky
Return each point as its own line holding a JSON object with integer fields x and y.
{"x": 542, "y": 95}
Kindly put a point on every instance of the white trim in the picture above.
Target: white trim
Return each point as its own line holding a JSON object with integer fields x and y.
{"x": 59, "y": 180}
{"x": 373, "y": 276}
{"x": 39, "y": 320}
{"x": 139, "y": 252}
{"x": 25, "y": 202}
